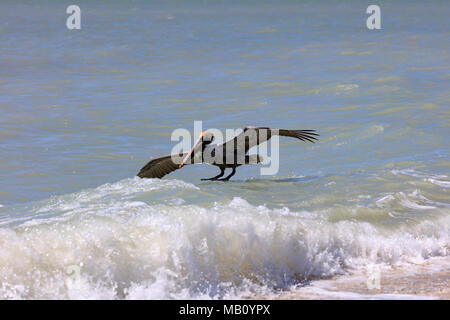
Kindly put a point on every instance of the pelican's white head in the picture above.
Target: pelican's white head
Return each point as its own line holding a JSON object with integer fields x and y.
{"x": 207, "y": 137}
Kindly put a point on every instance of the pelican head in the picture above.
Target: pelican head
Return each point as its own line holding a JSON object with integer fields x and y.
{"x": 206, "y": 137}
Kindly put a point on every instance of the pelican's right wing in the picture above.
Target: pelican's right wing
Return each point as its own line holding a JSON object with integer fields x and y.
{"x": 159, "y": 167}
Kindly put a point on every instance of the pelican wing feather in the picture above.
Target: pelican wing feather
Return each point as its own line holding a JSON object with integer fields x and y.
{"x": 253, "y": 136}
{"x": 159, "y": 167}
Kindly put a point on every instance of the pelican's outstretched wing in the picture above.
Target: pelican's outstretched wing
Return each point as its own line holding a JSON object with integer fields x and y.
{"x": 159, "y": 167}
{"x": 253, "y": 136}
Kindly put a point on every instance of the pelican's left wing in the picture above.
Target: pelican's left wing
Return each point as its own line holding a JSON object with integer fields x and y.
{"x": 159, "y": 167}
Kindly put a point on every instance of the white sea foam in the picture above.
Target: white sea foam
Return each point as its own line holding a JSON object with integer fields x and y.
{"x": 413, "y": 200}
{"x": 384, "y": 200}
{"x": 407, "y": 202}
{"x": 418, "y": 174}
{"x": 123, "y": 189}
{"x": 113, "y": 199}
{"x": 441, "y": 183}
{"x": 346, "y": 87}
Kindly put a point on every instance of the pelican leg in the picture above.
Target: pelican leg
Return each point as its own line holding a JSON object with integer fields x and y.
{"x": 222, "y": 172}
{"x": 229, "y": 176}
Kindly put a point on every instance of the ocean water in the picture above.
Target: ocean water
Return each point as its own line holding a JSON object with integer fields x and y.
{"x": 83, "y": 110}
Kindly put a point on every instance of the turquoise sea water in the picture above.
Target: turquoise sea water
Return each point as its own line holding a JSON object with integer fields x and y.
{"x": 83, "y": 110}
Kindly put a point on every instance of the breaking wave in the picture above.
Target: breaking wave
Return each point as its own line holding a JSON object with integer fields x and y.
{"x": 111, "y": 242}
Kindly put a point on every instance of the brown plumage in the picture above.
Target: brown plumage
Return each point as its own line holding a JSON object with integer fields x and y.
{"x": 159, "y": 167}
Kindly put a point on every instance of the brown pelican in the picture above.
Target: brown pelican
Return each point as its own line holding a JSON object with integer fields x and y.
{"x": 231, "y": 154}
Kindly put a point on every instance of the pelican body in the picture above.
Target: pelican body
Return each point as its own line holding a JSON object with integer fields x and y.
{"x": 230, "y": 154}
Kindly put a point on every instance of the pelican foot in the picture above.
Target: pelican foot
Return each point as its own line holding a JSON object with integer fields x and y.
{"x": 209, "y": 179}
{"x": 222, "y": 171}
{"x": 229, "y": 176}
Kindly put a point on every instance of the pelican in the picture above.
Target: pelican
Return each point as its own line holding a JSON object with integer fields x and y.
{"x": 230, "y": 154}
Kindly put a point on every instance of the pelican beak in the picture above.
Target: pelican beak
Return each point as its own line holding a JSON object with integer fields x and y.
{"x": 191, "y": 153}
